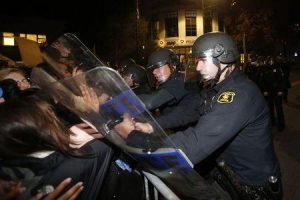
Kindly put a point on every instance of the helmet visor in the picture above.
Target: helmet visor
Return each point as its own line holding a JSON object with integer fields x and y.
{"x": 203, "y": 54}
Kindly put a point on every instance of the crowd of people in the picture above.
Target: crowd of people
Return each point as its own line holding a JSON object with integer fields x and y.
{"x": 48, "y": 152}
{"x": 271, "y": 74}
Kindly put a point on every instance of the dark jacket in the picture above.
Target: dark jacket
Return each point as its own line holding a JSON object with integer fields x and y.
{"x": 234, "y": 123}
{"x": 273, "y": 80}
{"x": 167, "y": 95}
{"x": 54, "y": 168}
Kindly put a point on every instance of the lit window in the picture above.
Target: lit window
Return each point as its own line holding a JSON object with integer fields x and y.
{"x": 32, "y": 37}
{"x": 41, "y": 39}
{"x": 22, "y": 35}
{"x": 171, "y": 23}
{"x": 242, "y": 58}
{"x": 190, "y": 23}
{"x": 8, "y": 39}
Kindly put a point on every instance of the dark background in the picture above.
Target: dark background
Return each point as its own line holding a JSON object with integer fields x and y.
{"x": 110, "y": 26}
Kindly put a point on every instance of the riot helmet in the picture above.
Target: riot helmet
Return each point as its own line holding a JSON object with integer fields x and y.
{"x": 135, "y": 75}
{"x": 162, "y": 63}
{"x": 218, "y": 45}
{"x": 215, "y": 48}
{"x": 162, "y": 57}
{"x": 126, "y": 62}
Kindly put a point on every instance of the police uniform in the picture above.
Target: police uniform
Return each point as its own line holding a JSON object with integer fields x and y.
{"x": 186, "y": 113}
{"x": 168, "y": 94}
{"x": 234, "y": 125}
{"x": 236, "y": 120}
{"x": 272, "y": 84}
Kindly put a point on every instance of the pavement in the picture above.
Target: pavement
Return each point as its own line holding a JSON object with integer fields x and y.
{"x": 287, "y": 142}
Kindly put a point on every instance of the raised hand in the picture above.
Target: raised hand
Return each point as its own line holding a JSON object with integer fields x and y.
{"x": 82, "y": 134}
{"x": 71, "y": 194}
{"x": 10, "y": 189}
{"x": 143, "y": 127}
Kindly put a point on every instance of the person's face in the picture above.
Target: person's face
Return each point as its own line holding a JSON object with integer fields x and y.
{"x": 64, "y": 70}
{"x": 128, "y": 79}
{"x": 161, "y": 74}
{"x": 22, "y": 82}
{"x": 206, "y": 68}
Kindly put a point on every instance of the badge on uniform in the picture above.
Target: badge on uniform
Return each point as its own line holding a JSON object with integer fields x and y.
{"x": 226, "y": 97}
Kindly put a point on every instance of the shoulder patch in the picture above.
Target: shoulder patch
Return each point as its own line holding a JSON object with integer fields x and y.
{"x": 226, "y": 97}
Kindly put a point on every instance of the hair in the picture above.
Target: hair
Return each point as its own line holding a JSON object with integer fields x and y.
{"x": 10, "y": 89}
{"x": 29, "y": 125}
{"x": 5, "y": 72}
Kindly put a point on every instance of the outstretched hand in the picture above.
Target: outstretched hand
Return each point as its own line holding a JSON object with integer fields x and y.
{"x": 90, "y": 98}
{"x": 82, "y": 134}
{"x": 10, "y": 189}
{"x": 143, "y": 127}
{"x": 125, "y": 127}
{"x": 128, "y": 125}
{"x": 76, "y": 72}
{"x": 71, "y": 194}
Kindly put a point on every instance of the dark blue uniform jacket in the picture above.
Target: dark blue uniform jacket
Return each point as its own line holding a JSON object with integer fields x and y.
{"x": 237, "y": 121}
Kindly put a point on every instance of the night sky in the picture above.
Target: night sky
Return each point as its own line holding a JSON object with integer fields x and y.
{"x": 90, "y": 18}
{"x": 53, "y": 9}
{"x": 87, "y": 11}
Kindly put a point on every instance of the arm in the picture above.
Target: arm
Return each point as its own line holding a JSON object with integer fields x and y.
{"x": 156, "y": 99}
{"x": 188, "y": 111}
{"x": 138, "y": 134}
{"x": 217, "y": 127}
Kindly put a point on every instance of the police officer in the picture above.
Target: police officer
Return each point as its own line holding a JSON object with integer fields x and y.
{"x": 136, "y": 78}
{"x": 170, "y": 96}
{"x": 170, "y": 90}
{"x": 125, "y": 63}
{"x": 254, "y": 70}
{"x": 235, "y": 124}
{"x": 273, "y": 87}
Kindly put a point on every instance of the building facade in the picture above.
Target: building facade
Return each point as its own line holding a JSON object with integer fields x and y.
{"x": 176, "y": 24}
{"x": 34, "y": 29}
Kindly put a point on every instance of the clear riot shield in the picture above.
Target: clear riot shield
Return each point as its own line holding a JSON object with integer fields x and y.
{"x": 100, "y": 97}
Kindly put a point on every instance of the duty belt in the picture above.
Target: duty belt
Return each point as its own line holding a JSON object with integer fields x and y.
{"x": 270, "y": 191}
